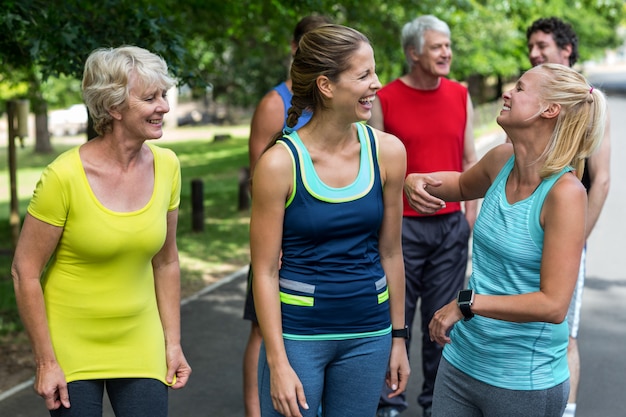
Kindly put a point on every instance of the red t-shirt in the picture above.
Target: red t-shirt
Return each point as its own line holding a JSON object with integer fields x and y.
{"x": 431, "y": 124}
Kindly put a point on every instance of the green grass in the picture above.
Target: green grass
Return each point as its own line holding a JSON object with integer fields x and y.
{"x": 219, "y": 249}
{"x": 222, "y": 247}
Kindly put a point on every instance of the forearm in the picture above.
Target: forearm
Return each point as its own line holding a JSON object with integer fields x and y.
{"x": 596, "y": 198}
{"x": 449, "y": 189}
{"x": 520, "y": 308}
{"x": 167, "y": 285}
{"x": 267, "y": 306}
{"x": 394, "y": 270}
{"x": 31, "y": 307}
{"x": 35, "y": 246}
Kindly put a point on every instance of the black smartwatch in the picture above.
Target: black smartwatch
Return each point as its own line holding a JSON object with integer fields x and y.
{"x": 403, "y": 333}
{"x": 464, "y": 300}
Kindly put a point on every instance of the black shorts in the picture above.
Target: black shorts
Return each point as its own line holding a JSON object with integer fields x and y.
{"x": 249, "y": 312}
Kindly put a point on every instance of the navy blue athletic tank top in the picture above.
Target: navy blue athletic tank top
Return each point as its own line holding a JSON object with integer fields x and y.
{"x": 332, "y": 284}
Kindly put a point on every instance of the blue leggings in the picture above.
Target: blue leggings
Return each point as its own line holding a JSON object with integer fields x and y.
{"x": 347, "y": 374}
{"x": 458, "y": 394}
{"x": 130, "y": 397}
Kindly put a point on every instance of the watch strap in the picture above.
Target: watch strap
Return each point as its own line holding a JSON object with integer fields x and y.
{"x": 466, "y": 309}
{"x": 403, "y": 333}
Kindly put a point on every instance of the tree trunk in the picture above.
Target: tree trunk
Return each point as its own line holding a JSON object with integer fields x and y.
{"x": 39, "y": 107}
{"x": 42, "y": 136}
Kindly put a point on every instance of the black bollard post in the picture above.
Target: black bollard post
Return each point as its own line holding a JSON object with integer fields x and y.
{"x": 197, "y": 205}
{"x": 244, "y": 188}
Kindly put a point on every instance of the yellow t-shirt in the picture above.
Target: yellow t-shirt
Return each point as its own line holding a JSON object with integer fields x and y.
{"x": 99, "y": 285}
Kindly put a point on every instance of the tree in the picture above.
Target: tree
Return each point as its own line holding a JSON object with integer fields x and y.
{"x": 241, "y": 49}
{"x": 47, "y": 38}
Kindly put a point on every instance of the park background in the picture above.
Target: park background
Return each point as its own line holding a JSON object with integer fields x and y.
{"x": 227, "y": 54}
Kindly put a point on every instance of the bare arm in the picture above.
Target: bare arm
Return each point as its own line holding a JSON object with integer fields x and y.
{"x": 35, "y": 246}
{"x": 167, "y": 285}
{"x": 563, "y": 219}
{"x": 427, "y": 193}
{"x": 393, "y": 164}
{"x": 268, "y": 119}
{"x": 599, "y": 166}
{"x": 271, "y": 187}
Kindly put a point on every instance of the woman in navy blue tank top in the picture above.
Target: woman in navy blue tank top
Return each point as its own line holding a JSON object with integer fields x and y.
{"x": 327, "y": 208}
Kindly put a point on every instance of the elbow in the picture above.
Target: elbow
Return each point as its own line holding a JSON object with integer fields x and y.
{"x": 18, "y": 282}
{"x": 601, "y": 183}
{"x": 606, "y": 184}
{"x": 557, "y": 318}
{"x": 15, "y": 274}
{"x": 556, "y": 315}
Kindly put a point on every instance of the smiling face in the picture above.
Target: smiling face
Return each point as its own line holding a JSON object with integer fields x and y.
{"x": 357, "y": 86}
{"x": 542, "y": 49}
{"x": 522, "y": 104}
{"x": 143, "y": 115}
{"x": 435, "y": 57}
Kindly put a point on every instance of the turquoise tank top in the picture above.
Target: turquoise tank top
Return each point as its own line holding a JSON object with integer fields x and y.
{"x": 506, "y": 259}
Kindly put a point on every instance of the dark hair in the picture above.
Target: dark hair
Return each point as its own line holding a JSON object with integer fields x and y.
{"x": 327, "y": 51}
{"x": 307, "y": 24}
{"x": 562, "y": 33}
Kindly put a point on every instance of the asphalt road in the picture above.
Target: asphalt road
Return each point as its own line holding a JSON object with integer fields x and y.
{"x": 214, "y": 334}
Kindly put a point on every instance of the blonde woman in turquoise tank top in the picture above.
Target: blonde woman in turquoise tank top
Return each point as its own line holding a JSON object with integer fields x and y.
{"x": 505, "y": 337}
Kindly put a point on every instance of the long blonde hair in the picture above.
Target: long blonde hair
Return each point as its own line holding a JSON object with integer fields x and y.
{"x": 581, "y": 122}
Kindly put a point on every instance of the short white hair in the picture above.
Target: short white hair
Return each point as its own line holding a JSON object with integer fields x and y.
{"x": 413, "y": 33}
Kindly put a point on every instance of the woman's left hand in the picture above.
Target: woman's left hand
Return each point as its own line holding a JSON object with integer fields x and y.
{"x": 178, "y": 367}
{"x": 399, "y": 368}
{"x": 442, "y": 322}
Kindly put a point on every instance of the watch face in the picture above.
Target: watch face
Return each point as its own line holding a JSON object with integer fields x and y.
{"x": 465, "y": 296}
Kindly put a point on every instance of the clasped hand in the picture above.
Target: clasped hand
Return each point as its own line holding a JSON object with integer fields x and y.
{"x": 416, "y": 188}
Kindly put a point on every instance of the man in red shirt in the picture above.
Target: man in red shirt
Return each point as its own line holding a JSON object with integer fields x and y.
{"x": 432, "y": 116}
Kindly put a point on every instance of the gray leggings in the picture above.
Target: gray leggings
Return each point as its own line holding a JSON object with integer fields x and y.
{"x": 459, "y": 395}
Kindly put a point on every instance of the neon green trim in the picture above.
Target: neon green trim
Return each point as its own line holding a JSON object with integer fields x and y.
{"x": 296, "y": 300}
{"x": 314, "y": 185}
{"x": 383, "y": 296}
{"x": 338, "y": 336}
{"x": 293, "y": 163}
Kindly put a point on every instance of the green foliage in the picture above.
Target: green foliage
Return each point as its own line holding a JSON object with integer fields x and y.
{"x": 241, "y": 48}
{"x": 57, "y": 35}
{"x": 245, "y": 51}
{"x": 61, "y": 92}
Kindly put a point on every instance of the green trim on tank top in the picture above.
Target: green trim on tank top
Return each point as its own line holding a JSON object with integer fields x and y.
{"x": 321, "y": 191}
{"x": 338, "y": 336}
